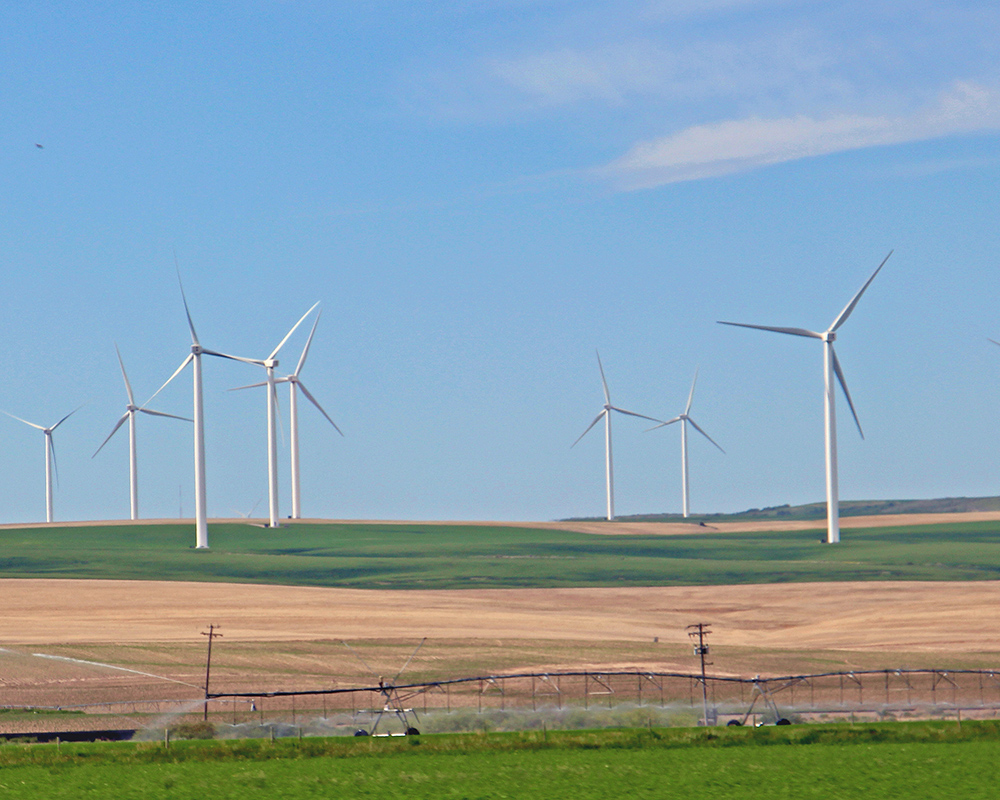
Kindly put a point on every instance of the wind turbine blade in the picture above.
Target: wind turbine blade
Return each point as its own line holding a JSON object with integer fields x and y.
{"x": 591, "y": 425}
{"x": 305, "y": 350}
{"x": 114, "y": 430}
{"x": 32, "y": 424}
{"x": 600, "y": 366}
{"x": 698, "y": 428}
{"x": 792, "y": 331}
{"x": 128, "y": 386}
{"x": 409, "y": 659}
{"x": 687, "y": 408}
{"x": 663, "y": 424}
{"x": 162, "y": 414}
{"x": 70, "y": 414}
{"x": 312, "y": 400}
{"x": 277, "y": 413}
{"x": 842, "y": 317}
{"x": 843, "y": 385}
{"x": 177, "y": 372}
{"x": 633, "y": 414}
{"x": 296, "y": 325}
{"x": 187, "y": 311}
{"x": 52, "y": 449}
{"x": 251, "y": 386}
{"x": 217, "y": 354}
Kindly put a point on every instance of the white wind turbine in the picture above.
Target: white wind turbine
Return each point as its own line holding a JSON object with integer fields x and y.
{"x": 50, "y": 456}
{"x": 295, "y": 384}
{"x": 606, "y": 414}
{"x": 130, "y": 411}
{"x": 194, "y": 357}
{"x": 684, "y": 419}
{"x": 831, "y": 365}
{"x": 269, "y": 364}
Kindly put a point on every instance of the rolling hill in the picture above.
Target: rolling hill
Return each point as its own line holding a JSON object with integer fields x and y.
{"x": 848, "y": 508}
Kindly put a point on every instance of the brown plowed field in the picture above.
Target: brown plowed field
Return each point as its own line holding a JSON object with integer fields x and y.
{"x": 910, "y": 616}
{"x": 290, "y": 637}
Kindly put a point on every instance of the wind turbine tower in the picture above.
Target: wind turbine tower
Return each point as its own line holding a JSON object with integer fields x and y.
{"x": 606, "y": 414}
{"x": 295, "y": 385}
{"x": 194, "y": 358}
{"x": 50, "y": 456}
{"x": 130, "y": 411}
{"x": 831, "y": 367}
{"x": 684, "y": 419}
{"x": 269, "y": 364}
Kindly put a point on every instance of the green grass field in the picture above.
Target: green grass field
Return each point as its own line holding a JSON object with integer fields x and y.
{"x": 414, "y": 556}
{"x": 920, "y": 760}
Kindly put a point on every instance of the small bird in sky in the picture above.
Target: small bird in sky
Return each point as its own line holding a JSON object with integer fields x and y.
{"x": 40, "y": 147}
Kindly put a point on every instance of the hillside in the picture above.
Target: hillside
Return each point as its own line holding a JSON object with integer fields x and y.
{"x": 848, "y": 508}
{"x": 470, "y": 556}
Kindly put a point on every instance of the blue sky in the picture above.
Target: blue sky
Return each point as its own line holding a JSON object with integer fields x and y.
{"x": 481, "y": 194}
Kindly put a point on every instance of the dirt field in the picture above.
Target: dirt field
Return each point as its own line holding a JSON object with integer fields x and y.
{"x": 898, "y": 616}
{"x": 291, "y": 637}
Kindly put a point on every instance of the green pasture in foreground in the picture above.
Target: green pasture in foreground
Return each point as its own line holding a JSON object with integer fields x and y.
{"x": 925, "y": 760}
{"x": 414, "y": 556}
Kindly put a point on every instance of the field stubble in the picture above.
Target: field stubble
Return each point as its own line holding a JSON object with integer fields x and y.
{"x": 154, "y": 628}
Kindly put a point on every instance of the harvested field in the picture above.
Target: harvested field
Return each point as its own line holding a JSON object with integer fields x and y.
{"x": 289, "y": 638}
{"x": 886, "y": 616}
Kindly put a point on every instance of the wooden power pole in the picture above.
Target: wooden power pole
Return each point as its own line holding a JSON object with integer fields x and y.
{"x": 211, "y": 634}
{"x": 701, "y": 630}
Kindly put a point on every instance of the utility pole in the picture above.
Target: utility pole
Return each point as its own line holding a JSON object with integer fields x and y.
{"x": 211, "y": 634}
{"x": 701, "y": 630}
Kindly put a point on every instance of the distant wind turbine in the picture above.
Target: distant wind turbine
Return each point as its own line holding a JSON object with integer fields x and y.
{"x": 606, "y": 414}
{"x": 50, "y": 456}
{"x": 247, "y": 514}
{"x": 295, "y": 384}
{"x": 684, "y": 419}
{"x": 831, "y": 365}
{"x": 130, "y": 411}
{"x": 269, "y": 364}
{"x": 194, "y": 357}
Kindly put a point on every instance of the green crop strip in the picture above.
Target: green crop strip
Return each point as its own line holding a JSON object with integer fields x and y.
{"x": 467, "y": 556}
{"x": 926, "y": 760}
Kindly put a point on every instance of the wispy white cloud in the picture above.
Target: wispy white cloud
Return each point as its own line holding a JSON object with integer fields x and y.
{"x": 739, "y": 145}
{"x": 618, "y": 72}
{"x": 569, "y": 75}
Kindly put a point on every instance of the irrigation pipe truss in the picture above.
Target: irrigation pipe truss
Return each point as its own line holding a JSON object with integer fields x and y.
{"x": 774, "y": 684}
{"x": 879, "y": 683}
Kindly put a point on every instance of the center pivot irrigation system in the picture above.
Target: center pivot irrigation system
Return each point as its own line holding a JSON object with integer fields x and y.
{"x": 881, "y": 694}
{"x": 568, "y": 698}
{"x": 393, "y": 701}
{"x": 885, "y": 693}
